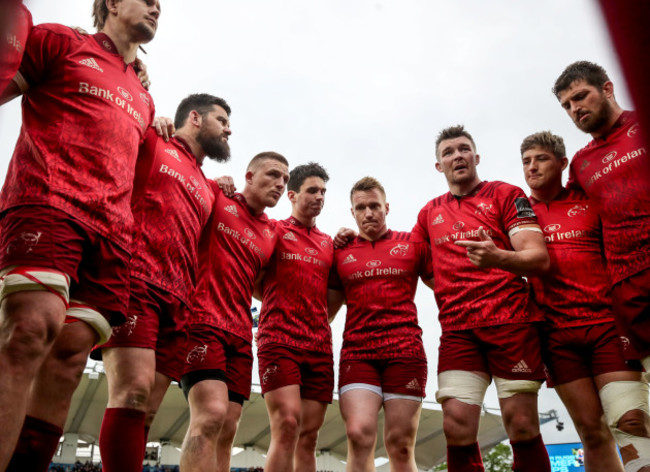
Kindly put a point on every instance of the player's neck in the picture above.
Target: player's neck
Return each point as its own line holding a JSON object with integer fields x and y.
{"x": 195, "y": 148}
{"x": 464, "y": 188}
{"x": 308, "y": 221}
{"x": 253, "y": 203}
{"x": 123, "y": 42}
{"x": 547, "y": 195}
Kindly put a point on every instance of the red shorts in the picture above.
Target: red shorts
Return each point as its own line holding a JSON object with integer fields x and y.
{"x": 155, "y": 320}
{"x": 41, "y": 236}
{"x": 509, "y": 351}
{"x": 631, "y": 300}
{"x": 282, "y": 365}
{"x": 407, "y": 376}
{"x": 216, "y": 354}
{"x": 582, "y": 351}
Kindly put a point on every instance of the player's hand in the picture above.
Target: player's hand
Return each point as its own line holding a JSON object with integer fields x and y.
{"x": 141, "y": 69}
{"x": 80, "y": 30}
{"x": 482, "y": 253}
{"x": 344, "y": 236}
{"x": 164, "y": 127}
{"x": 227, "y": 185}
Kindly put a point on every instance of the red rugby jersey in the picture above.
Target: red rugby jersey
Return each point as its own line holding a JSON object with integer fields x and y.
{"x": 171, "y": 204}
{"x": 379, "y": 279}
{"x": 84, "y": 117}
{"x": 294, "y": 307}
{"x": 575, "y": 292}
{"x": 467, "y": 296}
{"x": 11, "y": 52}
{"x": 614, "y": 172}
{"x": 238, "y": 246}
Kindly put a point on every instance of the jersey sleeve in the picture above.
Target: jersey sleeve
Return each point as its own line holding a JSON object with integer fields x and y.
{"x": 44, "y": 46}
{"x": 419, "y": 231}
{"x": 426, "y": 261}
{"x": 516, "y": 209}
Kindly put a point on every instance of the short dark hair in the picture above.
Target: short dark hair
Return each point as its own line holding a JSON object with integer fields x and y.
{"x": 299, "y": 174}
{"x": 453, "y": 132}
{"x": 100, "y": 13}
{"x": 367, "y": 184}
{"x": 592, "y": 73}
{"x": 201, "y": 102}
{"x": 546, "y": 140}
{"x": 265, "y": 156}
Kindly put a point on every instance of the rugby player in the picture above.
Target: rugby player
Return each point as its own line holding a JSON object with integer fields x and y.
{"x": 614, "y": 172}
{"x": 65, "y": 216}
{"x": 172, "y": 202}
{"x": 484, "y": 237}
{"x": 219, "y": 361}
{"x": 580, "y": 347}
{"x": 383, "y": 363}
{"x": 294, "y": 338}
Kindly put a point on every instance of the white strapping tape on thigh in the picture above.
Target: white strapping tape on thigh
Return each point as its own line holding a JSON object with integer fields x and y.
{"x": 507, "y": 388}
{"x": 617, "y": 399}
{"x": 401, "y": 396}
{"x": 464, "y": 386}
{"x": 93, "y": 318}
{"x": 361, "y": 386}
{"x": 24, "y": 279}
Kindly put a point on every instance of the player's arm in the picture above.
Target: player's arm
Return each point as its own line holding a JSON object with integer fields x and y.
{"x": 11, "y": 91}
{"x": 258, "y": 291}
{"x": 528, "y": 257}
{"x": 335, "y": 300}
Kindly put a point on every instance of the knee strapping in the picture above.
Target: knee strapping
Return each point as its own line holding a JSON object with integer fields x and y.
{"x": 617, "y": 399}
{"x": 508, "y": 388}
{"x": 464, "y": 386}
{"x": 24, "y": 279}
{"x": 93, "y": 318}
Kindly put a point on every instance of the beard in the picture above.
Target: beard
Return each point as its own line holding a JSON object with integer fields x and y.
{"x": 143, "y": 32}
{"x": 598, "y": 119}
{"x": 213, "y": 146}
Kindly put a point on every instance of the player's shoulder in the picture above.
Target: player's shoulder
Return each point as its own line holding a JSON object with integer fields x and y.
{"x": 574, "y": 194}
{"x": 62, "y": 31}
{"x": 499, "y": 187}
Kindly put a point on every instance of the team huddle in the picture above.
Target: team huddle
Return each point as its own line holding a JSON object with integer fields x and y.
{"x": 114, "y": 245}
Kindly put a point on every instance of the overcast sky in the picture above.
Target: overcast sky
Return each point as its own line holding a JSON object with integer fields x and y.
{"x": 363, "y": 87}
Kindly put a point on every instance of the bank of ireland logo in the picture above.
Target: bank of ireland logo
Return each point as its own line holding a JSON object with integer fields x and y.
{"x": 552, "y": 228}
{"x": 400, "y": 250}
{"x": 311, "y": 251}
{"x": 609, "y": 157}
{"x": 577, "y": 210}
{"x": 459, "y": 225}
{"x": 249, "y": 233}
{"x": 197, "y": 354}
{"x": 195, "y": 182}
{"x": 125, "y": 94}
{"x": 373, "y": 264}
{"x": 633, "y": 131}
